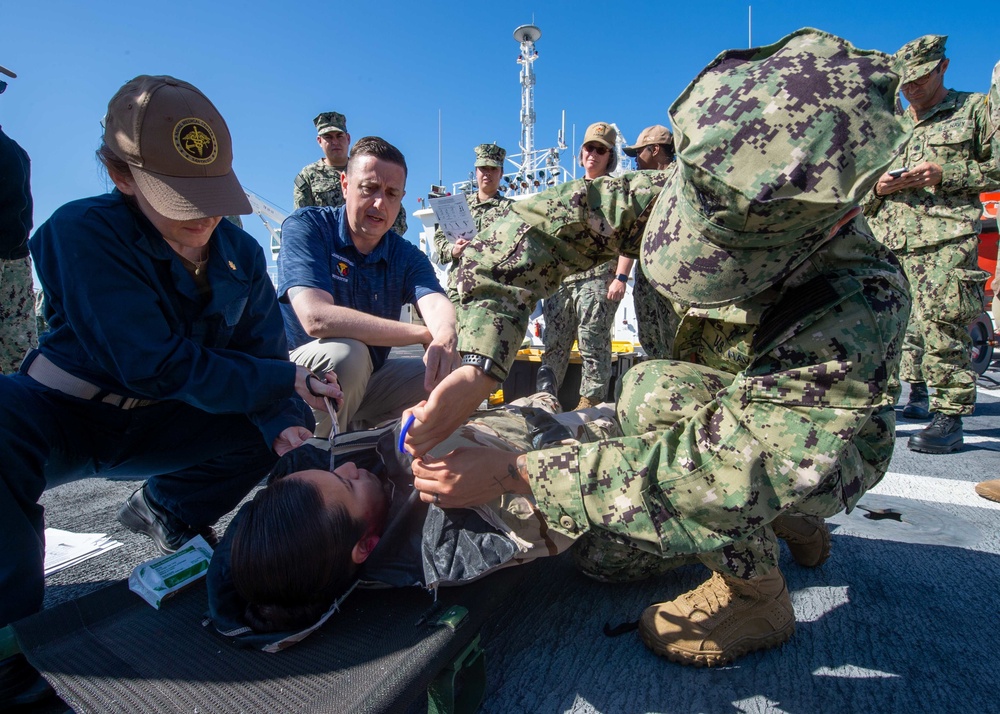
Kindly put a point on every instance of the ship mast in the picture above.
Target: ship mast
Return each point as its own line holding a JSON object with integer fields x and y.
{"x": 526, "y": 36}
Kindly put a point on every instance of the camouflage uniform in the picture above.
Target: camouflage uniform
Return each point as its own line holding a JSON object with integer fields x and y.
{"x": 17, "y": 302}
{"x": 656, "y": 319}
{"x": 781, "y": 398}
{"x": 935, "y": 233}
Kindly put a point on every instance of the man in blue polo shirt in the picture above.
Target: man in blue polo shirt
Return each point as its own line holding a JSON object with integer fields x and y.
{"x": 344, "y": 276}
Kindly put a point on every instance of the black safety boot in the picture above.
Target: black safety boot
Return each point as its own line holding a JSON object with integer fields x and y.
{"x": 545, "y": 381}
{"x": 942, "y": 436}
{"x": 140, "y": 515}
{"x": 918, "y": 407}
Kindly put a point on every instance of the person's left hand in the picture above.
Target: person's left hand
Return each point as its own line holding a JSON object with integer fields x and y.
{"x": 440, "y": 358}
{"x": 291, "y": 438}
{"x": 456, "y": 250}
{"x": 469, "y": 476}
{"x": 616, "y": 290}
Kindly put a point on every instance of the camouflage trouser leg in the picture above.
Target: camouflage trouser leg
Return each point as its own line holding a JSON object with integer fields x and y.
{"x": 560, "y": 331}
{"x": 948, "y": 293}
{"x": 686, "y": 389}
{"x": 655, "y": 318}
{"x": 18, "y": 332}
{"x": 595, "y": 316}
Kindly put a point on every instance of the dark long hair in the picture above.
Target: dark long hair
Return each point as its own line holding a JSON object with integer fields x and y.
{"x": 291, "y": 556}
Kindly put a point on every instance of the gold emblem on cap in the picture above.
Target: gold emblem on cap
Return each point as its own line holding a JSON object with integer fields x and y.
{"x": 232, "y": 265}
{"x": 195, "y": 141}
{"x": 600, "y": 129}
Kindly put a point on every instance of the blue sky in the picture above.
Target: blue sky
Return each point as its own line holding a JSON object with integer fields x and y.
{"x": 392, "y": 66}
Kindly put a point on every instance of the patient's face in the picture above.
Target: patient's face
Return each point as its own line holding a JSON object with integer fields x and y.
{"x": 359, "y": 491}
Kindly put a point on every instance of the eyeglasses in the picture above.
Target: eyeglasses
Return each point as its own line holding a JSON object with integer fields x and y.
{"x": 598, "y": 149}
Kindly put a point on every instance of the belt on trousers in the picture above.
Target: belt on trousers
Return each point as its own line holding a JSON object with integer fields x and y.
{"x": 45, "y": 372}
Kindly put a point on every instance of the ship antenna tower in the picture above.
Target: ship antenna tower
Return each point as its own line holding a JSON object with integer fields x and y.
{"x": 526, "y": 36}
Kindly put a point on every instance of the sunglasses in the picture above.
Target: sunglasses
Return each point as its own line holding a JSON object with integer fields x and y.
{"x": 596, "y": 149}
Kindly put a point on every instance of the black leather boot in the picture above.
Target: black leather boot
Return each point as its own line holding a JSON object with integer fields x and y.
{"x": 942, "y": 436}
{"x": 545, "y": 381}
{"x": 918, "y": 407}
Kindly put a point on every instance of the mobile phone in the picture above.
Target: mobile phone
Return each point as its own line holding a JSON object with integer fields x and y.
{"x": 896, "y": 173}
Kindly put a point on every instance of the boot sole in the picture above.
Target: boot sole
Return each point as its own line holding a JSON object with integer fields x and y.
{"x": 933, "y": 450}
{"x": 714, "y": 659}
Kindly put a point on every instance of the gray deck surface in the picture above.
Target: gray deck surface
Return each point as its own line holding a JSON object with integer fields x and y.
{"x": 904, "y": 617}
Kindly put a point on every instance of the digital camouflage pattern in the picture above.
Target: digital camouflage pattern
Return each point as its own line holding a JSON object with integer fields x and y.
{"x": 330, "y": 121}
{"x": 919, "y": 57}
{"x": 490, "y": 155}
{"x": 780, "y": 393}
{"x": 484, "y": 213}
{"x": 18, "y": 332}
{"x": 580, "y": 310}
{"x": 935, "y": 232}
{"x": 745, "y": 211}
{"x": 319, "y": 185}
{"x": 784, "y": 405}
{"x": 655, "y": 317}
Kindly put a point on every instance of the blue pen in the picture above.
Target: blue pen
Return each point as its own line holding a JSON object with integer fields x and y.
{"x": 402, "y": 433}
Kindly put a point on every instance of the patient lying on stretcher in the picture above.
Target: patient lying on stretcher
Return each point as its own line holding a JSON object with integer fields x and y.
{"x": 306, "y": 540}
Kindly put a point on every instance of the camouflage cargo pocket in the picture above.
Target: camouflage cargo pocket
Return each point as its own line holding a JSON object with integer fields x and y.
{"x": 962, "y": 298}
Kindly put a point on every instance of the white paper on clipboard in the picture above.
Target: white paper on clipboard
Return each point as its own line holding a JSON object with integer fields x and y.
{"x": 454, "y": 217}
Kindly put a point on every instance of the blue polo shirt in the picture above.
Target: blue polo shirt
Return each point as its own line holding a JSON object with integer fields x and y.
{"x": 317, "y": 252}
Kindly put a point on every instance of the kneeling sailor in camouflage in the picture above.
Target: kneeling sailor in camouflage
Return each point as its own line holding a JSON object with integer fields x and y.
{"x": 778, "y": 404}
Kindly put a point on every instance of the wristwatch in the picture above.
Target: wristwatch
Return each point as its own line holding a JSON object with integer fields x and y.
{"x": 622, "y": 276}
{"x": 487, "y": 365}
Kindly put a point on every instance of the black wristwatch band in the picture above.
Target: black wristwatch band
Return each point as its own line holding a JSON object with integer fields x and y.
{"x": 622, "y": 276}
{"x": 487, "y": 365}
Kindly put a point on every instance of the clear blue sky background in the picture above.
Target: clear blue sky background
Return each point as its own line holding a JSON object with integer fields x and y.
{"x": 391, "y": 66}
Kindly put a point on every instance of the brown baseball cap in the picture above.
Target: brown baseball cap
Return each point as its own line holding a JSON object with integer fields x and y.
{"x": 178, "y": 148}
{"x": 601, "y": 133}
{"x": 650, "y": 136}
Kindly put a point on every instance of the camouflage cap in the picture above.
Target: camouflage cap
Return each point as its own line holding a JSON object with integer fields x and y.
{"x": 774, "y": 145}
{"x": 918, "y": 58}
{"x": 650, "y": 136}
{"x": 601, "y": 133}
{"x": 330, "y": 121}
{"x": 490, "y": 155}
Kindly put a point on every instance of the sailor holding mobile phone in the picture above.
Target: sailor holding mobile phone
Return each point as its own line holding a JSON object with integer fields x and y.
{"x": 927, "y": 211}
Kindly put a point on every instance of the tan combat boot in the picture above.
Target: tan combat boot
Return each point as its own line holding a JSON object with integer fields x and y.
{"x": 807, "y": 537}
{"x": 720, "y": 620}
{"x": 585, "y": 403}
{"x": 989, "y": 489}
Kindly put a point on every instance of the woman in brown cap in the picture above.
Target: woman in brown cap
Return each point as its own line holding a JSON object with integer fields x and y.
{"x": 166, "y": 354}
{"x": 580, "y": 309}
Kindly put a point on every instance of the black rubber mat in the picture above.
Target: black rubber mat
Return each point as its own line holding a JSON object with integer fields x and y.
{"x": 111, "y": 652}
